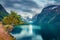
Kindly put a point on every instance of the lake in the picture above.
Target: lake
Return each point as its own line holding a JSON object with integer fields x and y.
{"x": 27, "y": 32}
{"x": 36, "y": 32}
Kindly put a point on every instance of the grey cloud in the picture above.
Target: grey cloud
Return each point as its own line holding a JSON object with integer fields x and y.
{"x": 25, "y": 5}
{"x": 30, "y": 4}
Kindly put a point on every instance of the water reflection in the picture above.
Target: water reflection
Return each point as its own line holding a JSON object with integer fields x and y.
{"x": 27, "y": 33}
{"x": 30, "y": 29}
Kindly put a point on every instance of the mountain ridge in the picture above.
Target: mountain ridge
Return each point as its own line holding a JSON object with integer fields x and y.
{"x": 3, "y": 12}
{"x": 48, "y": 14}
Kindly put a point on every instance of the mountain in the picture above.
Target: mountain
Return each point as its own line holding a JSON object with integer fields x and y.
{"x": 50, "y": 14}
{"x": 2, "y": 12}
{"x": 34, "y": 18}
{"x": 49, "y": 21}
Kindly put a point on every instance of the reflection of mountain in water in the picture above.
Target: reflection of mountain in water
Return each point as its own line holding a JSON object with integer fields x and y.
{"x": 48, "y": 27}
{"x": 27, "y": 32}
{"x": 49, "y": 19}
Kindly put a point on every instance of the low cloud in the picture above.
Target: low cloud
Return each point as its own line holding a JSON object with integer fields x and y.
{"x": 27, "y": 6}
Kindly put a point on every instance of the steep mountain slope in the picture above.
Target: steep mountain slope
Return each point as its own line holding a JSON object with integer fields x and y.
{"x": 49, "y": 21}
{"x": 50, "y": 14}
{"x": 2, "y": 12}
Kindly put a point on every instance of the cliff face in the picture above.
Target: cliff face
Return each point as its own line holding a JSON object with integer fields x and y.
{"x": 2, "y": 12}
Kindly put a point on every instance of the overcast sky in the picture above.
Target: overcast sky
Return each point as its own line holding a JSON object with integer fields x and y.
{"x": 27, "y": 7}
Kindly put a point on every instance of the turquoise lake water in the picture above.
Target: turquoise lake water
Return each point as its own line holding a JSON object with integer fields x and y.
{"x": 36, "y": 32}
{"x": 27, "y": 32}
